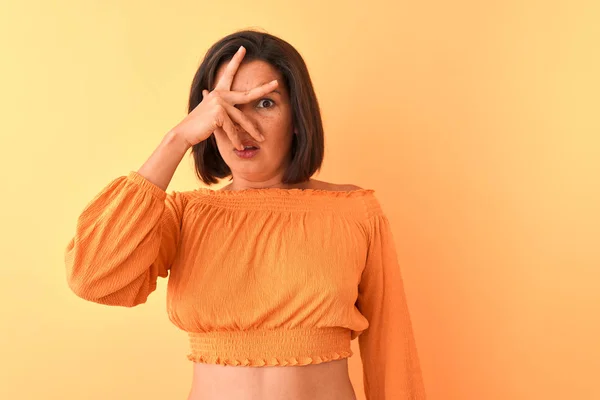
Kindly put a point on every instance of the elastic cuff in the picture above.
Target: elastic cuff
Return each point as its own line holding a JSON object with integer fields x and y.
{"x": 156, "y": 191}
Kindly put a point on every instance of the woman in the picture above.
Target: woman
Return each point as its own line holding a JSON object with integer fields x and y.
{"x": 273, "y": 275}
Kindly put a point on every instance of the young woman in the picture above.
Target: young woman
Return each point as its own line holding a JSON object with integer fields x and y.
{"x": 273, "y": 275}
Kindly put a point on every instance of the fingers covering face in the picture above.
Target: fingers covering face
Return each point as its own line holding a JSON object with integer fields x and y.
{"x": 232, "y": 67}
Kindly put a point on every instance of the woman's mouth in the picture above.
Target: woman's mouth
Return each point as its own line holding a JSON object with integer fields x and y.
{"x": 248, "y": 152}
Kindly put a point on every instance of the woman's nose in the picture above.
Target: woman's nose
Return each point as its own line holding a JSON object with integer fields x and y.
{"x": 249, "y": 120}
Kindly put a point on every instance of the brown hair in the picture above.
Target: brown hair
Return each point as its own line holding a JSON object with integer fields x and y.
{"x": 308, "y": 144}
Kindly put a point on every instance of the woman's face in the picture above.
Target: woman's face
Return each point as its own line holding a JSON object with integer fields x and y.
{"x": 272, "y": 117}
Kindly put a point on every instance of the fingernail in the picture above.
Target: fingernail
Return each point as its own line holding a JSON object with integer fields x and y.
{"x": 241, "y": 47}
{"x": 273, "y": 81}
{"x": 261, "y": 137}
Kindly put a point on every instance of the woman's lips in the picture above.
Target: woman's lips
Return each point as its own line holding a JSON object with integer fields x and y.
{"x": 249, "y": 153}
{"x": 248, "y": 142}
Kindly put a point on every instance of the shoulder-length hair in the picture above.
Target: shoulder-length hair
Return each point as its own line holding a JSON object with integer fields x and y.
{"x": 308, "y": 144}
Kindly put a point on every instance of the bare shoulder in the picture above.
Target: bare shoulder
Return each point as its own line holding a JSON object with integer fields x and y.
{"x": 352, "y": 187}
{"x": 336, "y": 187}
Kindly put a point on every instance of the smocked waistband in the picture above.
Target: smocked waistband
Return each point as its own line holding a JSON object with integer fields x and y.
{"x": 295, "y": 346}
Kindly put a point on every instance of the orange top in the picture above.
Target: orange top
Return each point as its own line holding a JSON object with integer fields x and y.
{"x": 257, "y": 277}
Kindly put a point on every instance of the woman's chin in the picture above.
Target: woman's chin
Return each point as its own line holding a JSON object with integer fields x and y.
{"x": 246, "y": 170}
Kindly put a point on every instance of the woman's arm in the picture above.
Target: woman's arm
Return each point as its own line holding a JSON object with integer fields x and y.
{"x": 127, "y": 236}
{"x": 391, "y": 368}
{"x": 162, "y": 163}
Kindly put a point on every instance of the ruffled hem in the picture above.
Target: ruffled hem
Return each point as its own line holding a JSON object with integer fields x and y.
{"x": 262, "y": 362}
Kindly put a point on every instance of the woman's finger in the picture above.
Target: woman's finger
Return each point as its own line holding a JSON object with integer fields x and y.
{"x": 221, "y": 132}
{"x": 234, "y": 97}
{"x": 227, "y": 78}
{"x": 239, "y": 117}
{"x": 229, "y": 129}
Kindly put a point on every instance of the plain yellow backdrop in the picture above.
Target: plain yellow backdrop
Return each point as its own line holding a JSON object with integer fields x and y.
{"x": 477, "y": 123}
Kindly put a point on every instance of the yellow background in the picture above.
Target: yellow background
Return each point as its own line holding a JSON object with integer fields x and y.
{"x": 476, "y": 122}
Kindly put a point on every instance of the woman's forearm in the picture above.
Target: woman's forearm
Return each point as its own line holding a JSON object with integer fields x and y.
{"x": 162, "y": 163}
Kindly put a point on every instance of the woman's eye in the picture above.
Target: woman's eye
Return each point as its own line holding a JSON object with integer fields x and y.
{"x": 268, "y": 100}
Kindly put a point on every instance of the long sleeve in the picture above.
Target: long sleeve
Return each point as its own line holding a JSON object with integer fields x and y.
{"x": 125, "y": 238}
{"x": 391, "y": 368}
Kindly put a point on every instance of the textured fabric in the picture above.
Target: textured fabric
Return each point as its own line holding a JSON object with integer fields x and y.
{"x": 257, "y": 277}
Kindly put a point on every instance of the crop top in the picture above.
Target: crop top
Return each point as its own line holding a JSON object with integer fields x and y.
{"x": 256, "y": 277}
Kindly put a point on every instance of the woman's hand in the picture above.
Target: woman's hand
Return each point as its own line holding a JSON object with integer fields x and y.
{"x": 216, "y": 111}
